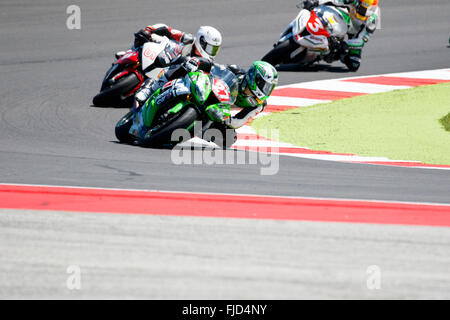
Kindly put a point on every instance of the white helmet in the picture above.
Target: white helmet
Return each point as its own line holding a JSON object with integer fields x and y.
{"x": 208, "y": 41}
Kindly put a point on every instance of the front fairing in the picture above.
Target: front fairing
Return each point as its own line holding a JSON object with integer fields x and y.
{"x": 288, "y": 32}
{"x": 200, "y": 85}
{"x": 130, "y": 57}
{"x": 299, "y": 23}
{"x": 225, "y": 84}
{"x": 218, "y": 112}
{"x": 138, "y": 128}
{"x": 333, "y": 20}
{"x": 109, "y": 74}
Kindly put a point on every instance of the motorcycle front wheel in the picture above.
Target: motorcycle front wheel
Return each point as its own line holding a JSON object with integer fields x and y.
{"x": 112, "y": 96}
{"x": 162, "y": 132}
{"x": 281, "y": 52}
{"x": 123, "y": 128}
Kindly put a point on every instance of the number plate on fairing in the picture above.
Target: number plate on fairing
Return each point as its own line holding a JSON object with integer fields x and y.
{"x": 221, "y": 90}
{"x": 150, "y": 52}
{"x": 315, "y": 26}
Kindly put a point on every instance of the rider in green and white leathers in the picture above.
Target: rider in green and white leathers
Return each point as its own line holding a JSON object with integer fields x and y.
{"x": 255, "y": 86}
{"x": 363, "y": 18}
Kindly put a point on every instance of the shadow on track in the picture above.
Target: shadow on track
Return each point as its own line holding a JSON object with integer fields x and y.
{"x": 110, "y": 106}
{"x": 135, "y": 144}
{"x": 312, "y": 68}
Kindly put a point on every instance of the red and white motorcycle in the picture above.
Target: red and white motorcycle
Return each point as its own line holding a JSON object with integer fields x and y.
{"x": 127, "y": 74}
{"x": 312, "y": 36}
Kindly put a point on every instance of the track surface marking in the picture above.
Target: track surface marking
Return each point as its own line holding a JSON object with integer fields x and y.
{"x": 220, "y": 206}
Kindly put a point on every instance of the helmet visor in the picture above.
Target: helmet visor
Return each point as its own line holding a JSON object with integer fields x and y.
{"x": 263, "y": 88}
{"x": 210, "y": 49}
{"x": 365, "y": 11}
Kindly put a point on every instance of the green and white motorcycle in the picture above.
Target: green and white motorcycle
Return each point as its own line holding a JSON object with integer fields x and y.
{"x": 179, "y": 104}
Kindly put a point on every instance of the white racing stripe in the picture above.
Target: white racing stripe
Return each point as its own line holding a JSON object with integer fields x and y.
{"x": 441, "y": 74}
{"x": 262, "y": 114}
{"x": 294, "y": 102}
{"x": 262, "y": 143}
{"x": 347, "y": 158}
{"x": 246, "y": 130}
{"x": 197, "y": 142}
{"x": 344, "y": 86}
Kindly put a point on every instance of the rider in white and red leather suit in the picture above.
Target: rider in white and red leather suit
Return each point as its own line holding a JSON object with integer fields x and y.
{"x": 364, "y": 16}
{"x": 205, "y": 45}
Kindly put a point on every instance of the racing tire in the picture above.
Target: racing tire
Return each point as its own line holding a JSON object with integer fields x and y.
{"x": 162, "y": 134}
{"x": 221, "y": 135}
{"x": 112, "y": 95}
{"x": 280, "y": 53}
{"x": 123, "y": 128}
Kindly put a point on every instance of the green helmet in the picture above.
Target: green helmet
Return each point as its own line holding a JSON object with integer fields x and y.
{"x": 261, "y": 78}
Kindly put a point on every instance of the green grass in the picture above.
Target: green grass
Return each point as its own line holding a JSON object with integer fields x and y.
{"x": 446, "y": 122}
{"x": 400, "y": 125}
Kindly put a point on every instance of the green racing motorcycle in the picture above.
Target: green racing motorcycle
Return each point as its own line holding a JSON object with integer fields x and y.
{"x": 179, "y": 104}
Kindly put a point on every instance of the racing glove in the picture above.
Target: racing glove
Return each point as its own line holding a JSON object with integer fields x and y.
{"x": 193, "y": 64}
{"x": 238, "y": 71}
{"x": 140, "y": 38}
{"x": 310, "y": 4}
{"x": 187, "y": 38}
{"x": 174, "y": 72}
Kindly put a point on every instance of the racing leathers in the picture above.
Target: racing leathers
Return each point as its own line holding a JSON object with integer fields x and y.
{"x": 161, "y": 30}
{"x": 179, "y": 44}
{"x": 359, "y": 31}
{"x": 182, "y": 67}
{"x": 250, "y": 107}
{"x": 176, "y": 54}
{"x": 179, "y": 67}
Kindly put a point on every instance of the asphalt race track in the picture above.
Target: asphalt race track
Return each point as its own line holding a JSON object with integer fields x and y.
{"x": 51, "y": 135}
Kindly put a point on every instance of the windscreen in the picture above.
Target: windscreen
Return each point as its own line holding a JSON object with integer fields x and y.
{"x": 222, "y": 73}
